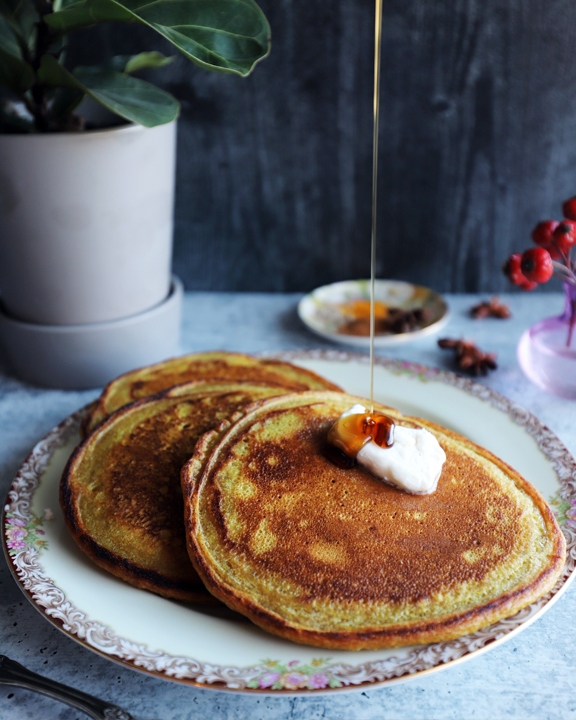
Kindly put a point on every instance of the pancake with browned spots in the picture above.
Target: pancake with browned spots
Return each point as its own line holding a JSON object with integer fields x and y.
{"x": 121, "y": 492}
{"x": 335, "y": 558}
{"x": 200, "y": 366}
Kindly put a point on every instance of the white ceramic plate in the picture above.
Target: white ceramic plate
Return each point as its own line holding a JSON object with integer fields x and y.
{"x": 174, "y": 641}
{"x": 321, "y": 310}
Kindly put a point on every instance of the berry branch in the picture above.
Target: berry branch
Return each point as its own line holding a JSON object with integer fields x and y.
{"x": 552, "y": 256}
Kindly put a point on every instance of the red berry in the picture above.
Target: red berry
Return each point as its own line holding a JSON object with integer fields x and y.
{"x": 512, "y": 269}
{"x": 543, "y": 232}
{"x": 569, "y": 209}
{"x": 513, "y": 272}
{"x": 565, "y": 236}
{"x": 536, "y": 265}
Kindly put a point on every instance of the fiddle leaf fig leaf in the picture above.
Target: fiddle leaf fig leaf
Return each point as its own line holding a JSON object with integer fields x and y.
{"x": 64, "y": 4}
{"x": 8, "y": 40}
{"x": 15, "y": 73}
{"x": 146, "y": 60}
{"x": 21, "y": 16}
{"x": 229, "y": 36}
{"x": 133, "y": 63}
{"x": 131, "y": 98}
{"x": 65, "y": 101}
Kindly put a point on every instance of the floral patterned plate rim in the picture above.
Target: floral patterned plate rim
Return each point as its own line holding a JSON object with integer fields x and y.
{"x": 322, "y": 310}
{"x": 173, "y": 641}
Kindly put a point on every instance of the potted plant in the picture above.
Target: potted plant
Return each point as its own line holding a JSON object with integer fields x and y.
{"x": 86, "y": 213}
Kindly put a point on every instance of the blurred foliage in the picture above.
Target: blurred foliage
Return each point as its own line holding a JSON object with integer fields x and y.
{"x": 228, "y": 36}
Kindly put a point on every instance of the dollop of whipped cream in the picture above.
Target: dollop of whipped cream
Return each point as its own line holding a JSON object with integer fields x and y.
{"x": 413, "y": 463}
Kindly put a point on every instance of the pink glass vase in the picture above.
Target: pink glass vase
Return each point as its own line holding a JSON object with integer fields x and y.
{"x": 547, "y": 350}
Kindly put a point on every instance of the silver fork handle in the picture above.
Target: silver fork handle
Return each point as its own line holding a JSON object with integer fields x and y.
{"x": 12, "y": 673}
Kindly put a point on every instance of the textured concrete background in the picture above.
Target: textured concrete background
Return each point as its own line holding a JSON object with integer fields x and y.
{"x": 530, "y": 677}
{"x": 477, "y": 143}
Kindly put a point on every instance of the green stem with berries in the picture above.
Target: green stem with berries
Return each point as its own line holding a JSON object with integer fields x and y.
{"x": 567, "y": 274}
{"x": 555, "y": 242}
{"x": 571, "y": 302}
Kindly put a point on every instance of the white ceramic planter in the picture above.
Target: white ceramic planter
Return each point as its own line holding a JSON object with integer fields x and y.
{"x": 89, "y": 355}
{"x": 86, "y": 223}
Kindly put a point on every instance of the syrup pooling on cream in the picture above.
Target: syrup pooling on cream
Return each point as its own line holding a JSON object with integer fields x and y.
{"x": 351, "y": 432}
{"x": 408, "y": 458}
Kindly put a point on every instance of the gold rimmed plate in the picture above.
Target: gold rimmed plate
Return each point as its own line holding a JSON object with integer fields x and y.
{"x": 179, "y": 642}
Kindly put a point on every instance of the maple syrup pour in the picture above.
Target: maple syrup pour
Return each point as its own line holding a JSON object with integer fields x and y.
{"x": 349, "y": 434}
{"x": 377, "y": 53}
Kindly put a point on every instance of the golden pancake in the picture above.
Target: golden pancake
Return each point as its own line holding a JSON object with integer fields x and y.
{"x": 120, "y": 491}
{"x": 201, "y": 366}
{"x": 338, "y": 559}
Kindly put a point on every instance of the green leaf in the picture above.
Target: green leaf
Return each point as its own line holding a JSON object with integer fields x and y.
{"x": 64, "y": 4}
{"x": 230, "y": 36}
{"x": 133, "y": 63}
{"x": 65, "y": 101}
{"x": 21, "y": 16}
{"x": 15, "y": 73}
{"x": 8, "y": 40}
{"x": 131, "y": 98}
{"x": 145, "y": 60}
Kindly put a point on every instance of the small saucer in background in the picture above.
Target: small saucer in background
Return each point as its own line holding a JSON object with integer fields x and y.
{"x": 326, "y": 312}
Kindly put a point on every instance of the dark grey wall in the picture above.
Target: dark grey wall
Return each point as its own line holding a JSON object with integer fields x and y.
{"x": 477, "y": 143}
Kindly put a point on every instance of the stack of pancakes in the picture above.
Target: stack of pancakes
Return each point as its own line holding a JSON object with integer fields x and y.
{"x": 120, "y": 491}
{"x": 204, "y": 479}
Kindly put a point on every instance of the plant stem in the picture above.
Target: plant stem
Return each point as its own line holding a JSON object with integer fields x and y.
{"x": 572, "y": 321}
{"x": 44, "y": 39}
{"x": 563, "y": 271}
{"x": 567, "y": 272}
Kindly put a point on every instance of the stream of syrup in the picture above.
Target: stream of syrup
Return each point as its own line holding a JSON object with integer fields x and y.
{"x": 349, "y": 435}
{"x": 377, "y": 53}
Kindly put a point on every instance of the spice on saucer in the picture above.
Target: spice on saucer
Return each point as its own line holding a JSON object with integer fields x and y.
{"x": 357, "y": 315}
{"x": 387, "y": 320}
{"x": 490, "y": 308}
{"x": 469, "y": 357}
{"x": 401, "y": 321}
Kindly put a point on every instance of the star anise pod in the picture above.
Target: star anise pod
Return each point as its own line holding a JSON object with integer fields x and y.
{"x": 399, "y": 320}
{"x": 490, "y": 308}
{"x": 469, "y": 357}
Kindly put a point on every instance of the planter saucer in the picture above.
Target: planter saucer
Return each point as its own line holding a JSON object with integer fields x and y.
{"x": 89, "y": 355}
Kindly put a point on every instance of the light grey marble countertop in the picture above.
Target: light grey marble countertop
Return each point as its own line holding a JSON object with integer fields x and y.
{"x": 533, "y": 675}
